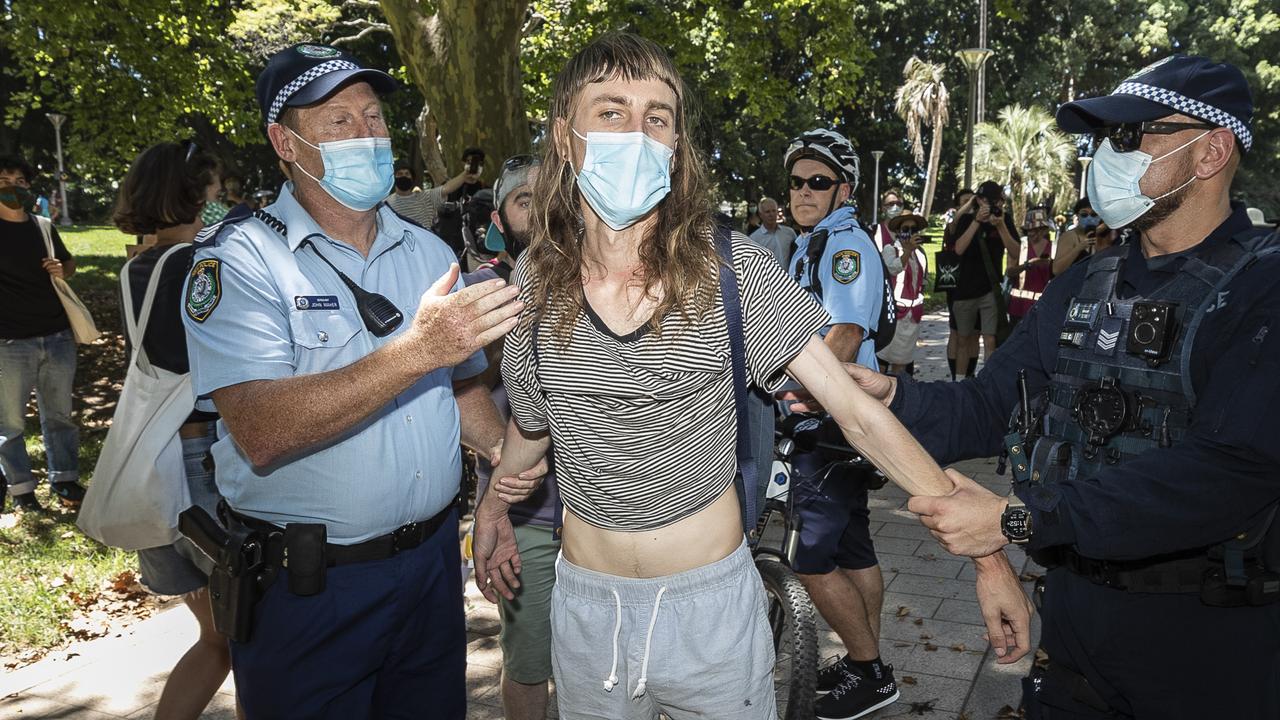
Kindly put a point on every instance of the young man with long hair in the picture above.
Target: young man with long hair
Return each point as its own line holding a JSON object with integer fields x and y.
{"x": 622, "y": 354}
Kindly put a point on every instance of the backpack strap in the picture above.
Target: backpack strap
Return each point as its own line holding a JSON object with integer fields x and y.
{"x": 746, "y": 476}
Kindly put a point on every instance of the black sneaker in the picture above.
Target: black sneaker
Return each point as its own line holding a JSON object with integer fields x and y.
{"x": 70, "y": 493}
{"x": 857, "y": 696}
{"x": 832, "y": 674}
{"x": 27, "y": 502}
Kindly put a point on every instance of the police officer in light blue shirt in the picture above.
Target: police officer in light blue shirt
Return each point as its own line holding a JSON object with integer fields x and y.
{"x": 344, "y": 378}
{"x": 837, "y": 262}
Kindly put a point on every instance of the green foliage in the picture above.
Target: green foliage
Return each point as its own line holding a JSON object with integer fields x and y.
{"x": 1024, "y": 150}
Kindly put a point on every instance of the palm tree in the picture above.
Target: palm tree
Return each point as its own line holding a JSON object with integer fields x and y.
{"x": 923, "y": 100}
{"x": 1024, "y": 150}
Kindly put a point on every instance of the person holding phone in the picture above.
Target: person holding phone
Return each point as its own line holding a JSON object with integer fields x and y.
{"x": 908, "y": 265}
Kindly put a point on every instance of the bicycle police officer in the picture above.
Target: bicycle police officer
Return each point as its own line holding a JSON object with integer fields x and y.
{"x": 341, "y": 417}
{"x": 1146, "y": 475}
{"x": 837, "y": 262}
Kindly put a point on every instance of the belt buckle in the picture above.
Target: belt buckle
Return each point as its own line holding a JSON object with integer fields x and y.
{"x": 401, "y": 536}
{"x": 1099, "y": 572}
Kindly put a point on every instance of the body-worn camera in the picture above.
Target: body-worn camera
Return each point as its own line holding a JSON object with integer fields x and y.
{"x": 1151, "y": 331}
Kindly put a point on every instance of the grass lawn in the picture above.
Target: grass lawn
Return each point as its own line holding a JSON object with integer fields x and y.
{"x": 52, "y": 576}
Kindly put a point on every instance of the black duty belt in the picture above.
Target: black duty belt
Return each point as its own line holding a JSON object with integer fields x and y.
{"x": 405, "y": 537}
{"x": 1183, "y": 574}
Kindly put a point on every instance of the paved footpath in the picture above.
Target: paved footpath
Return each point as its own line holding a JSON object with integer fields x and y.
{"x": 932, "y": 631}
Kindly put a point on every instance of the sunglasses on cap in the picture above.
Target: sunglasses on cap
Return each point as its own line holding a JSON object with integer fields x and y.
{"x": 191, "y": 148}
{"x": 817, "y": 183}
{"x": 1127, "y": 137}
{"x": 518, "y": 161}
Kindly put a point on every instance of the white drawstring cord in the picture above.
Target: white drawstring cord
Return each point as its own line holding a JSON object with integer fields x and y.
{"x": 611, "y": 681}
{"x": 648, "y": 638}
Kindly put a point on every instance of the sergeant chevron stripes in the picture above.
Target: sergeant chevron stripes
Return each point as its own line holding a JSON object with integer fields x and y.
{"x": 1107, "y": 340}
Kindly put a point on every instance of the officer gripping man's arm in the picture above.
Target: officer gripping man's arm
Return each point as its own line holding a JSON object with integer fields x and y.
{"x": 1152, "y": 491}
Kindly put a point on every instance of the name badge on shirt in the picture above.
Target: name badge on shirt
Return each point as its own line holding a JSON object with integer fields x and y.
{"x": 315, "y": 302}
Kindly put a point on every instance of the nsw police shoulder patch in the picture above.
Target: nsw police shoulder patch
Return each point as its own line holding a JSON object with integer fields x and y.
{"x": 846, "y": 265}
{"x": 204, "y": 289}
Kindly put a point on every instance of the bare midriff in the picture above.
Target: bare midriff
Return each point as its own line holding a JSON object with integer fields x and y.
{"x": 709, "y": 535}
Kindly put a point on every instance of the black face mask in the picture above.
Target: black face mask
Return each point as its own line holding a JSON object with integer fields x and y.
{"x": 404, "y": 184}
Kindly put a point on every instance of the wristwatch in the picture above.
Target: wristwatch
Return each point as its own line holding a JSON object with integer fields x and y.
{"x": 1015, "y": 521}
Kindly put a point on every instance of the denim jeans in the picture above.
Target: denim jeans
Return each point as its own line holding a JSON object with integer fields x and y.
{"x": 46, "y": 364}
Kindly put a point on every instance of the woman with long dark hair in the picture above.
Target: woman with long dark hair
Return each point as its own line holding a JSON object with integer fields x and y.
{"x": 163, "y": 195}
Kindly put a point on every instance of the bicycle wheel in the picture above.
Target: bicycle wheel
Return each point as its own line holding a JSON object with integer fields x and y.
{"x": 795, "y": 640}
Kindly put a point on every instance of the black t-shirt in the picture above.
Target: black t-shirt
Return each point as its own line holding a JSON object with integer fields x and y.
{"x": 974, "y": 281}
{"x": 29, "y": 307}
{"x": 449, "y": 222}
{"x": 166, "y": 340}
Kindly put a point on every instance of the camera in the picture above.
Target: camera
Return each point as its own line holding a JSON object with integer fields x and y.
{"x": 1151, "y": 331}
{"x": 997, "y": 212}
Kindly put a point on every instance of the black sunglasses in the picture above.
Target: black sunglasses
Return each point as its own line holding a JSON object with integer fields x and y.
{"x": 1127, "y": 137}
{"x": 817, "y": 183}
{"x": 191, "y": 147}
{"x": 516, "y": 162}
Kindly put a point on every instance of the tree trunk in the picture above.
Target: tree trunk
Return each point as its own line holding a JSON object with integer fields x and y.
{"x": 931, "y": 179}
{"x": 465, "y": 59}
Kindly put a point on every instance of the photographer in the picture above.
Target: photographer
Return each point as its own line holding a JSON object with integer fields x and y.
{"x": 909, "y": 266}
{"x": 1076, "y": 243}
{"x": 450, "y": 200}
{"x": 1031, "y": 268}
{"x": 424, "y": 207}
{"x": 982, "y": 239}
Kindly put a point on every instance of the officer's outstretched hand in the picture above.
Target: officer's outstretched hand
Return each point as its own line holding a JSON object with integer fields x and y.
{"x": 881, "y": 387}
{"x": 967, "y": 521}
{"x": 1005, "y": 608}
{"x": 451, "y": 327}
{"x": 494, "y": 549}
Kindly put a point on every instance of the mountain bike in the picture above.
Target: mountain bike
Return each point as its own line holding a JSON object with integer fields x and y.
{"x": 774, "y": 542}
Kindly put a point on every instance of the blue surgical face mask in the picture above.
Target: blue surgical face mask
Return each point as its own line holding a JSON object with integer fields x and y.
{"x": 1113, "y": 182}
{"x": 1090, "y": 222}
{"x": 624, "y": 175}
{"x": 358, "y": 173}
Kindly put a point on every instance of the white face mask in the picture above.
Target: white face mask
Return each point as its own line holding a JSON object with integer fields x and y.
{"x": 1113, "y": 182}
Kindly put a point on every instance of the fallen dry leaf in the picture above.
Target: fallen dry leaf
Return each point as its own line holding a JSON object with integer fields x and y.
{"x": 903, "y": 611}
{"x": 918, "y": 621}
{"x": 930, "y": 647}
{"x": 901, "y": 644}
{"x": 920, "y": 708}
{"x": 1009, "y": 713}
{"x": 908, "y": 680}
{"x": 958, "y": 647}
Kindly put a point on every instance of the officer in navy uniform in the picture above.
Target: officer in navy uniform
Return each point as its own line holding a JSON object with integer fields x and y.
{"x": 836, "y": 261}
{"x": 1145, "y": 463}
{"x": 341, "y": 414}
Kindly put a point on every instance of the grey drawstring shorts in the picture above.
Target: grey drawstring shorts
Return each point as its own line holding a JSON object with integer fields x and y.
{"x": 695, "y": 644}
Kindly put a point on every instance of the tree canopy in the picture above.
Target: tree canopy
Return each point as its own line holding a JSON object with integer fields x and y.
{"x": 128, "y": 73}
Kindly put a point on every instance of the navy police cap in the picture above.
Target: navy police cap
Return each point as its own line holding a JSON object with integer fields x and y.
{"x": 306, "y": 73}
{"x": 1214, "y": 92}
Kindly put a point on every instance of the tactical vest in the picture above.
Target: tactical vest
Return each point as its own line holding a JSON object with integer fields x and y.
{"x": 1122, "y": 385}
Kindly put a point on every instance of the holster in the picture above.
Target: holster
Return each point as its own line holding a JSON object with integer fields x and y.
{"x": 240, "y": 572}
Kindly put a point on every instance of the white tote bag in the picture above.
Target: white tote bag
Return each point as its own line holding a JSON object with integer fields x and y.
{"x": 139, "y": 485}
{"x": 82, "y": 325}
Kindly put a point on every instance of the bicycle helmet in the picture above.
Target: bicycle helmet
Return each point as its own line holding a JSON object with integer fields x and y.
{"x": 828, "y": 147}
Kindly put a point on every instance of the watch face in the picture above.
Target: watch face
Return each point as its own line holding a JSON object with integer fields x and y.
{"x": 1017, "y": 523}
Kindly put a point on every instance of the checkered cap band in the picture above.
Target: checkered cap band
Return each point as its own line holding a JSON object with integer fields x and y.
{"x": 301, "y": 81}
{"x": 1188, "y": 106}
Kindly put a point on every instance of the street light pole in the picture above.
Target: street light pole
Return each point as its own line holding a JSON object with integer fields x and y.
{"x": 1084, "y": 172}
{"x": 973, "y": 59}
{"x": 875, "y": 198}
{"x": 57, "y": 120}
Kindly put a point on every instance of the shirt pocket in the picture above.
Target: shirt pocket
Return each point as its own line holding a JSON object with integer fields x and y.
{"x": 317, "y": 330}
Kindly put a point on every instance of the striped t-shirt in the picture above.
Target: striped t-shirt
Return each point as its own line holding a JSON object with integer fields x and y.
{"x": 644, "y": 425}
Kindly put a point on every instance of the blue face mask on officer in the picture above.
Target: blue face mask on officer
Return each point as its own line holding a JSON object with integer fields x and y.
{"x": 359, "y": 173}
{"x": 1113, "y": 182}
{"x": 624, "y": 175}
